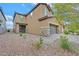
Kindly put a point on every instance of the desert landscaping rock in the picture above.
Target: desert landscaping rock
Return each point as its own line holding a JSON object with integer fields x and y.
{"x": 12, "y": 44}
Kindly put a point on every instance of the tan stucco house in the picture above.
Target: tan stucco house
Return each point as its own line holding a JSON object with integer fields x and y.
{"x": 39, "y": 21}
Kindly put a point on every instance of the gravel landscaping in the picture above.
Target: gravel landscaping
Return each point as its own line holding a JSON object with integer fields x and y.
{"x": 12, "y": 44}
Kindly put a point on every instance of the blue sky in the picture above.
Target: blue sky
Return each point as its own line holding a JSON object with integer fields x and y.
{"x": 10, "y": 8}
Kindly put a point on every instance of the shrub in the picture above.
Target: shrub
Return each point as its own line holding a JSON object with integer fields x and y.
{"x": 39, "y": 43}
{"x": 72, "y": 31}
{"x": 20, "y": 34}
{"x": 8, "y": 30}
{"x": 66, "y": 32}
{"x": 24, "y": 36}
{"x": 64, "y": 43}
{"x": 77, "y": 32}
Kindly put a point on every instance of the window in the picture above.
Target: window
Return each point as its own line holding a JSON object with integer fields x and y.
{"x": 31, "y": 15}
{"x": 21, "y": 18}
{"x": 44, "y": 12}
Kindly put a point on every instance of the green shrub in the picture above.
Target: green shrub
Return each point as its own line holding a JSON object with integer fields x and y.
{"x": 66, "y": 32}
{"x": 39, "y": 43}
{"x": 72, "y": 31}
{"x": 24, "y": 36}
{"x": 77, "y": 32}
{"x": 20, "y": 34}
{"x": 8, "y": 30}
{"x": 64, "y": 43}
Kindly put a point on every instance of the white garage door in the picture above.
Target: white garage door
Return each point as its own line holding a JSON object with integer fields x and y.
{"x": 53, "y": 29}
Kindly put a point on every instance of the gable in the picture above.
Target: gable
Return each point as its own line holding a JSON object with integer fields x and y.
{"x": 45, "y": 12}
{"x": 41, "y": 13}
{"x": 39, "y": 5}
{"x": 19, "y": 18}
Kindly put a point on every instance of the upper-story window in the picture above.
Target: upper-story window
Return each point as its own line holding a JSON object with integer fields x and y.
{"x": 31, "y": 15}
{"x": 21, "y": 18}
{"x": 45, "y": 12}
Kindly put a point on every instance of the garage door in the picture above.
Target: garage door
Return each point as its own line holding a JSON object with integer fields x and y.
{"x": 53, "y": 29}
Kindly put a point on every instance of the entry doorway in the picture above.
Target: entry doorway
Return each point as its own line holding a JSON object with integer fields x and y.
{"x": 22, "y": 28}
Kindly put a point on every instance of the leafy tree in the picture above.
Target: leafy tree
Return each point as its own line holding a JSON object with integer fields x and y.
{"x": 64, "y": 12}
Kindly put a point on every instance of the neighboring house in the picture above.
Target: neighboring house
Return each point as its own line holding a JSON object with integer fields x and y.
{"x": 2, "y": 22}
{"x": 19, "y": 23}
{"x": 38, "y": 21}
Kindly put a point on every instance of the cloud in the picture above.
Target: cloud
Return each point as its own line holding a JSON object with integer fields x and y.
{"x": 9, "y": 23}
{"x": 34, "y": 3}
{"x": 23, "y": 5}
{"x": 9, "y": 18}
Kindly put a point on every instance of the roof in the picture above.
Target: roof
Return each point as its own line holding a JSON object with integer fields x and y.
{"x": 33, "y": 10}
{"x": 44, "y": 18}
{"x": 2, "y": 13}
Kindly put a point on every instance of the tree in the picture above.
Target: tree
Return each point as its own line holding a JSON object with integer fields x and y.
{"x": 64, "y": 12}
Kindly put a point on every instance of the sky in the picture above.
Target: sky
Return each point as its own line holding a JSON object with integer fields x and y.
{"x": 10, "y": 8}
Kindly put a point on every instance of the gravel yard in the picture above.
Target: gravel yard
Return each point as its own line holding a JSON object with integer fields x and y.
{"x": 12, "y": 44}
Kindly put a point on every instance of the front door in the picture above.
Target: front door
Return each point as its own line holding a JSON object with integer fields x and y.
{"x": 22, "y": 28}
